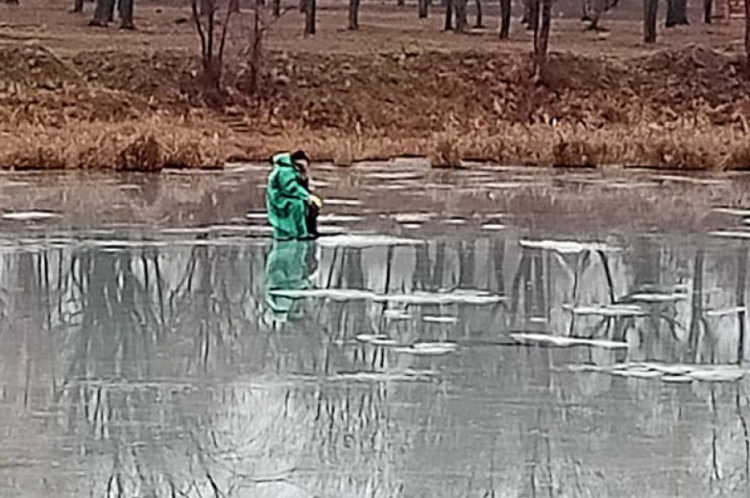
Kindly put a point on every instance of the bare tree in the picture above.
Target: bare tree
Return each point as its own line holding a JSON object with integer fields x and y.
{"x": 460, "y": 6}
{"x": 529, "y": 17}
{"x": 255, "y": 49}
{"x": 276, "y": 8}
{"x": 532, "y": 16}
{"x": 543, "y": 11}
{"x": 103, "y": 13}
{"x": 423, "y": 8}
{"x": 111, "y": 10}
{"x": 448, "y": 15}
{"x": 708, "y": 7}
{"x": 212, "y": 57}
{"x": 478, "y": 23}
{"x": 650, "y": 11}
{"x": 354, "y": 14}
{"x": 126, "y": 14}
{"x": 310, "y": 17}
{"x": 676, "y": 13}
{"x": 593, "y": 10}
{"x": 505, "y": 14}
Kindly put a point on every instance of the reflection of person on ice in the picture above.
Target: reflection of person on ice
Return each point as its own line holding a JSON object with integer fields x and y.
{"x": 290, "y": 267}
{"x": 292, "y": 209}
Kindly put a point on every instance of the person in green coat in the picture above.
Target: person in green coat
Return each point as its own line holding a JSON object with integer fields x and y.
{"x": 292, "y": 209}
{"x": 289, "y": 267}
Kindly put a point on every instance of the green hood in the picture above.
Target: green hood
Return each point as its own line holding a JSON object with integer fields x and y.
{"x": 286, "y": 198}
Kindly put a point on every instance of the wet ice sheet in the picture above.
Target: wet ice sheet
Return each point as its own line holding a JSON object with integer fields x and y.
{"x": 167, "y": 360}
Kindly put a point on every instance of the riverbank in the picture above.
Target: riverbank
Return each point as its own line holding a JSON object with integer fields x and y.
{"x": 677, "y": 109}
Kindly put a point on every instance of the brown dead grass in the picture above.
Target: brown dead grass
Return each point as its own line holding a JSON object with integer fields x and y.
{"x": 165, "y": 144}
{"x": 685, "y": 147}
{"x": 142, "y": 145}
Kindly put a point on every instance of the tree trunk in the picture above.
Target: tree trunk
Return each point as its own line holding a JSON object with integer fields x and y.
{"x": 676, "y": 13}
{"x": 747, "y": 38}
{"x": 126, "y": 14}
{"x": 78, "y": 6}
{"x": 650, "y": 10}
{"x": 708, "y": 7}
{"x": 505, "y": 14}
{"x": 460, "y": 6}
{"x": 541, "y": 34}
{"x": 234, "y": 6}
{"x": 310, "y": 17}
{"x": 423, "y": 8}
{"x": 256, "y": 53}
{"x": 594, "y": 15}
{"x": 102, "y": 12}
{"x": 528, "y": 10}
{"x": 448, "y": 15}
{"x": 276, "y": 8}
{"x": 353, "y": 14}
{"x": 400, "y": 3}
{"x": 479, "y": 24}
{"x": 111, "y": 13}
{"x": 533, "y": 24}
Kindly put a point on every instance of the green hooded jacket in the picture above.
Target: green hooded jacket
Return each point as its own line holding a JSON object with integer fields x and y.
{"x": 288, "y": 268}
{"x": 286, "y": 199}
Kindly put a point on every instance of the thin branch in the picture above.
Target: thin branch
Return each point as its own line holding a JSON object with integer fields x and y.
{"x": 201, "y": 34}
{"x": 211, "y": 17}
{"x": 224, "y": 36}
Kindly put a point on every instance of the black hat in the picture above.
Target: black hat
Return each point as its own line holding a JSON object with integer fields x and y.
{"x": 300, "y": 155}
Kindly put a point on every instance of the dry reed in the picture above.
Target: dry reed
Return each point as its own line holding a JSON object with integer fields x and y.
{"x": 145, "y": 145}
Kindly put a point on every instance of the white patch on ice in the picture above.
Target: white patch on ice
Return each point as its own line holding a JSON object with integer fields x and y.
{"x": 565, "y": 246}
{"x": 429, "y": 348}
{"x": 564, "y": 342}
{"x": 362, "y": 241}
{"x": 612, "y": 310}
{"x": 30, "y": 215}
{"x": 439, "y": 319}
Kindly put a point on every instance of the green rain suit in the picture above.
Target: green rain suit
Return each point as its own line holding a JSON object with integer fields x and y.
{"x": 288, "y": 268}
{"x": 286, "y": 200}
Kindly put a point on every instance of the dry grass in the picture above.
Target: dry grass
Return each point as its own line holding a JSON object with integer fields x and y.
{"x": 685, "y": 147}
{"x": 145, "y": 145}
{"x": 156, "y": 143}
